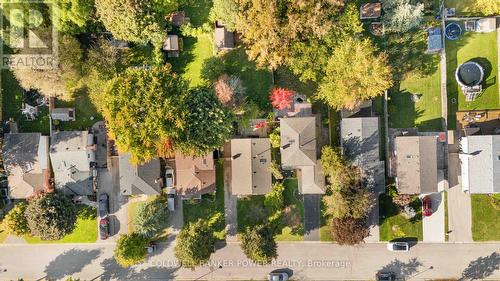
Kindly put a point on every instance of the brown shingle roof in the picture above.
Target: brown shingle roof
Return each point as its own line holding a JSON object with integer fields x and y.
{"x": 194, "y": 175}
{"x": 370, "y": 10}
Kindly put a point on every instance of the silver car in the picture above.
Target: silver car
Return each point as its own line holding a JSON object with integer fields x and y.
{"x": 169, "y": 177}
{"x": 277, "y": 276}
{"x": 171, "y": 198}
{"x": 398, "y": 246}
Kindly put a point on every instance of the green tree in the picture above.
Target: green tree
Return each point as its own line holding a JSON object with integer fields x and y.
{"x": 309, "y": 57}
{"x": 335, "y": 168}
{"x": 349, "y": 231}
{"x": 349, "y": 202}
{"x": 151, "y": 218}
{"x": 131, "y": 249}
{"x": 275, "y": 170}
{"x": 15, "y": 221}
{"x": 275, "y": 138}
{"x": 208, "y": 123}
{"x": 75, "y": 16}
{"x": 134, "y": 20}
{"x": 401, "y": 15}
{"x": 50, "y": 216}
{"x": 144, "y": 111}
{"x": 484, "y": 7}
{"x": 270, "y": 27}
{"x": 354, "y": 73}
{"x": 195, "y": 244}
{"x": 274, "y": 201}
{"x": 258, "y": 244}
{"x": 225, "y": 11}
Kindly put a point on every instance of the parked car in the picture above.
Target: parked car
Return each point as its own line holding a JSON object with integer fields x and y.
{"x": 427, "y": 206}
{"x": 103, "y": 205}
{"x": 277, "y": 276}
{"x": 385, "y": 276}
{"x": 398, "y": 246}
{"x": 169, "y": 177}
{"x": 104, "y": 228}
{"x": 171, "y": 198}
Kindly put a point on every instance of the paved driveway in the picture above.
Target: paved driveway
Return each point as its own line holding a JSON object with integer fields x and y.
{"x": 312, "y": 213}
{"x": 433, "y": 226}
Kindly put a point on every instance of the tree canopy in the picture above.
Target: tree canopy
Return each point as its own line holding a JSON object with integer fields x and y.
{"x": 208, "y": 124}
{"x": 258, "y": 244}
{"x": 195, "y": 244}
{"x": 485, "y": 7}
{"x": 225, "y": 11}
{"x": 349, "y": 231}
{"x": 50, "y": 216}
{"x": 151, "y": 218}
{"x": 354, "y": 73}
{"x": 401, "y": 15}
{"x": 140, "y": 21}
{"x": 131, "y": 249}
{"x": 270, "y": 27}
{"x": 15, "y": 221}
{"x": 75, "y": 16}
{"x": 143, "y": 110}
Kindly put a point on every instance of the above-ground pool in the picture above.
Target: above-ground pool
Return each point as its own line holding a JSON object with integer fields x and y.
{"x": 453, "y": 31}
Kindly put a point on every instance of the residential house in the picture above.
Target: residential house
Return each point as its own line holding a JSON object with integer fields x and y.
{"x": 298, "y": 152}
{"x": 299, "y": 107}
{"x": 72, "y": 154}
{"x": 224, "y": 39}
{"x": 416, "y": 164}
{"x": 63, "y": 114}
{"x": 194, "y": 176}
{"x": 250, "y": 160}
{"x": 361, "y": 145}
{"x": 139, "y": 179}
{"x": 480, "y": 159}
{"x": 26, "y": 163}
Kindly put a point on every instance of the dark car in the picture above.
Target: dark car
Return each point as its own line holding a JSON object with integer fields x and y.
{"x": 386, "y": 276}
{"x": 104, "y": 228}
{"x": 427, "y": 206}
{"x": 103, "y": 205}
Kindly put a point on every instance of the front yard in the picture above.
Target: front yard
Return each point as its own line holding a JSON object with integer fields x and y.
{"x": 210, "y": 208}
{"x": 485, "y": 217}
{"x": 84, "y": 232}
{"x": 251, "y": 212}
{"x": 407, "y": 111}
{"x": 394, "y": 224}
{"x": 481, "y": 48}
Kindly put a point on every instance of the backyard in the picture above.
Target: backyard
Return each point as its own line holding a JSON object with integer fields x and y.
{"x": 86, "y": 113}
{"x": 485, "y": 216}
{"x": 394, "y": 224}
{"x": 252, "y": 211}
{"x": 416, "y": 102}
{"x": 463, "y": 7}
{"x": 12, "y": 95}
{"x": 210, "y": 208}
{"x": 481, "y": 48}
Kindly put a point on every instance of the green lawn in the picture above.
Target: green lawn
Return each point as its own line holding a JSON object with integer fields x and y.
{"x": 3, "y": 234}
{"x": 446, "y": 225}
{"x": 195, "y": 50}
{"x": 485, "y": 218}
{"x": 426, "y": 112}
{"x": 479, "y": 47}
{"x": 463, "y": 7}
{"x": 210, "y": 208}
{"x": 84, "y": 232}
{"x": 284, "y": 78}
{"x": 394, "y": 225}
{"x": 12, "y": 95}
{"x": 86, "y": 114}
{"x": 325, "y": 231}
{"x": 251, "y": 212}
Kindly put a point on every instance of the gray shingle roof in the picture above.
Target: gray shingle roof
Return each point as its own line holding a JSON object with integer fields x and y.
{"x": 361, "y": 145}
{"x": 298, "y": 141}
{"x": 481, "y": 163}
{"x": 250, "y": 159}
{"x": 416, "y": 164}
{"x": 139, "y": 179}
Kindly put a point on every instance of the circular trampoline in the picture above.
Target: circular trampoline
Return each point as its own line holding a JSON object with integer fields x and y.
{"x": 452, "y": 31}
{"x": 469, "y": 74}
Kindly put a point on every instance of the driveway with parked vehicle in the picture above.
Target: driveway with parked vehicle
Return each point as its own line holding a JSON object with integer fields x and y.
{"x": 433, "y": 217}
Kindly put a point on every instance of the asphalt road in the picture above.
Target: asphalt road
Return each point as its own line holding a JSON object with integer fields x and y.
{"x": 307, "y": 261}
